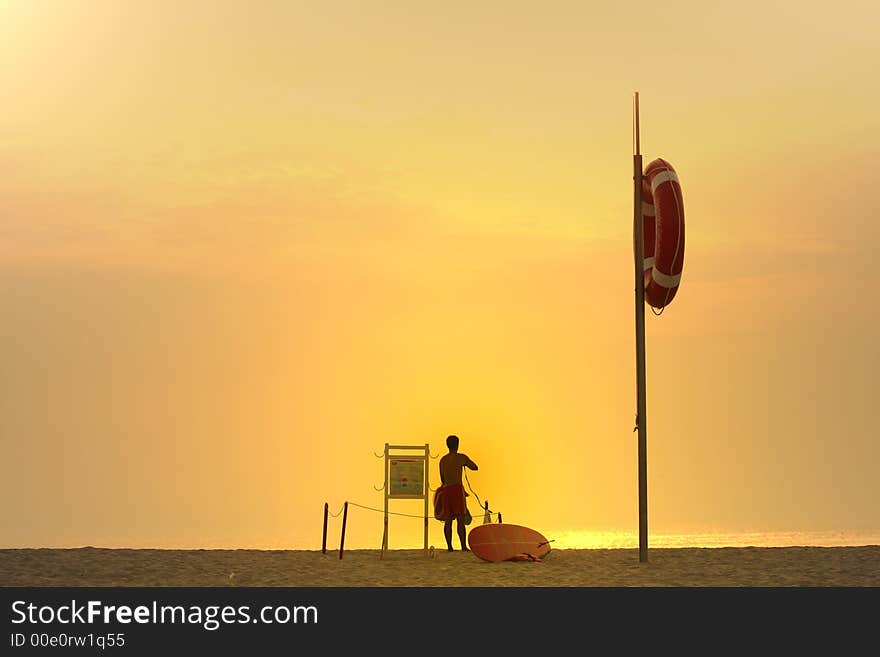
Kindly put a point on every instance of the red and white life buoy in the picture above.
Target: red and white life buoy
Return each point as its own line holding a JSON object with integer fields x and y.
{"x": 663, "y": 214}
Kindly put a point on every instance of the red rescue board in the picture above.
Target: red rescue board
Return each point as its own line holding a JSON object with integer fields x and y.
{"x": 503, "y": 542}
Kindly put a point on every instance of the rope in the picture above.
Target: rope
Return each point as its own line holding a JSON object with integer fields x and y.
{"x": 482, "y": 506}
{"x": 392, "y": 513}
{"x": 337, "y": 514}
{"x": 396, "y": 513}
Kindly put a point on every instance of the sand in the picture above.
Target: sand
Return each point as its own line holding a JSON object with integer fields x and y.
{"x": 690, "y": 567}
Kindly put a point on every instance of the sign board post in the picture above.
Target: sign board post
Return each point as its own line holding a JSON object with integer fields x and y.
{"x": 406, "y": 478}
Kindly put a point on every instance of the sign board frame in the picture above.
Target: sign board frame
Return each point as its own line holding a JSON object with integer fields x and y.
{"x": 393, "y": 453}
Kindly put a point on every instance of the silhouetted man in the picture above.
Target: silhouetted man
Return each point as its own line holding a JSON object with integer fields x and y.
{"x": 449, "y": 502}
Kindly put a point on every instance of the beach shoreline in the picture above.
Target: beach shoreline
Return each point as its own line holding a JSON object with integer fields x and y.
{"x": 853, "y": 566}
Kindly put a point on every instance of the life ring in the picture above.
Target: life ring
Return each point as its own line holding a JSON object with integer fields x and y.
{"x": 663, "y": 215}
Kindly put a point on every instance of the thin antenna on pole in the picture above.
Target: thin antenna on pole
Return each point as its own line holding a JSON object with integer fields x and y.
{"x": 636, "y": 143}
{"x": 639, "y": 253}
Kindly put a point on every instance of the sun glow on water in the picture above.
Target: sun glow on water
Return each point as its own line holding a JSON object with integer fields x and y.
{"x": 568, "y": 539}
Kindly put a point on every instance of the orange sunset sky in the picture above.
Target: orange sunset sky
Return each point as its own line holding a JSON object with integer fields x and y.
{"x": 243, "y": 245}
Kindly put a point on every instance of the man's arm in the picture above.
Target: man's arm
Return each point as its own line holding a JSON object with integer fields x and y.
{"x": 470, "y": 465}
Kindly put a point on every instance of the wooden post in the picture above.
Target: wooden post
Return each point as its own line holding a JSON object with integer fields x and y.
{"x": 639, "y": 253}
{"x": 344, "y": 518}
{"x": 499, "y": 517}
{"x": 324, "y": 539}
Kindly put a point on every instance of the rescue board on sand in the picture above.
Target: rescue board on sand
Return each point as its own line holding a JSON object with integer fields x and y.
{"x": 505, "y": 542}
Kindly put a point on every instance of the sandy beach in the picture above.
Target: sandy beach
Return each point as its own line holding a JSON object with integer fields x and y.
{"x": 691, "y": 567}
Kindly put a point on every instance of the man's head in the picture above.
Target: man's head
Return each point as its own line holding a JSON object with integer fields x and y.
{"x": 452, "y": 443}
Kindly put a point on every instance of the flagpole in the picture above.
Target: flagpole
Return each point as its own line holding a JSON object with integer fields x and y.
{"x": 639, "y": 248}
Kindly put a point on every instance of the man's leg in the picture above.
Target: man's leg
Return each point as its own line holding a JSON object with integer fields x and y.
{"x": 461, "y": 534}
{"x": 447, "y": 532}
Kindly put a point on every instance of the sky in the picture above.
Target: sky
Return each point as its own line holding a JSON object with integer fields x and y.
{"x": 244, "y": 245}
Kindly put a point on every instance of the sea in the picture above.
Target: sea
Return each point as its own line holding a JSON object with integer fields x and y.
{"x": 615, "y": 539}
{"x": 583, "y": 539}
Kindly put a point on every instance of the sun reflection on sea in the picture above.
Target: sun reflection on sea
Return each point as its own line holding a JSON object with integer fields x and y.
{"x": 570, "y": 539}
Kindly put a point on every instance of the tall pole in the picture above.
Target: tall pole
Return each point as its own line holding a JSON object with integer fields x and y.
{"x": 639, "y": 248}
